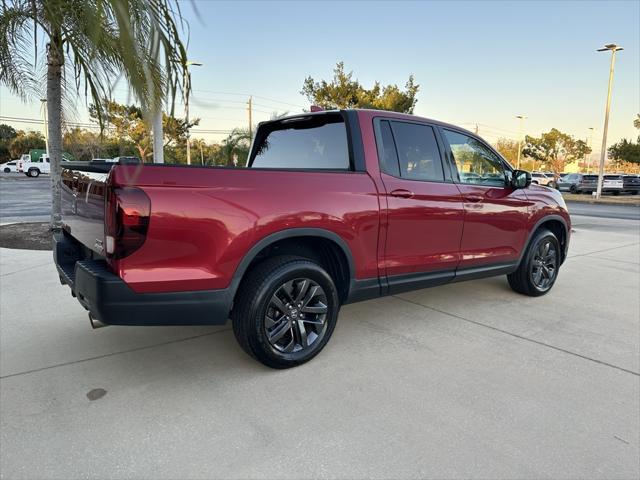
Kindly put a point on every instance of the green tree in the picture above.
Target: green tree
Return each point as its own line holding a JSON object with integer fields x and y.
{"x": 7, "y": 132}
{"x": 508, "y": 149}
{"x": 96, "y": 42}
{"x": 23, "y": 142}
{"x": 345, "y": 92}
{"x": 128, "y": 123}
{"x": 625, "y": 151}
{"x": 636, "y": 121}
{"x": 235, "y": 146}
{"x": 554, "y": 149}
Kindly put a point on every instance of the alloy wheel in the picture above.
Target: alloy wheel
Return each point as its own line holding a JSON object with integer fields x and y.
{"x": 544, "y": 265}
{"x": 296, "y": 315}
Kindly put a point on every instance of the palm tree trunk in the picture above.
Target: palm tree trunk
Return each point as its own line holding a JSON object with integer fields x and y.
{"x": 55, "y": 60}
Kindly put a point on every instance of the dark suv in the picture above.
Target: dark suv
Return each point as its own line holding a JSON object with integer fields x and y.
{"x": 631, "y": 184}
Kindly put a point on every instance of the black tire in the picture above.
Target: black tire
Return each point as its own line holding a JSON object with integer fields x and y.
{"x": 253, "y": 309}
{"x": 7, "y": 170}
{"x": 524, "y": 279}
{"x": 34, "y": 172}
{"x": 615, "y": 193}
{"x": 573, "y": 189}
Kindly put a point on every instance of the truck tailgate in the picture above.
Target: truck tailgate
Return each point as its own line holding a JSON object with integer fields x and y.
{"x": 83, "y": 199}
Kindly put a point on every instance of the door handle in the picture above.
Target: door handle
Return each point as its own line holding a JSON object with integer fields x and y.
{"x": 473, "y": 198}
{"x": 401, "y": 193}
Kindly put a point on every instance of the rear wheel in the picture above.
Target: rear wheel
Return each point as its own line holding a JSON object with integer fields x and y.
{"x": 34, "y": 172}
{"x": 285, "y": 311}
{"x": 538, "y": 269}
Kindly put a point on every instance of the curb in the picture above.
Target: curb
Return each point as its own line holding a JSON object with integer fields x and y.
{"x": 595, "y": 202}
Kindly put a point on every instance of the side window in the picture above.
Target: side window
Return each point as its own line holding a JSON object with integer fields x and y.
{"x": 476, "y": 163}
{"x": 418, "y": 152}
{"x": 387, "y": 150}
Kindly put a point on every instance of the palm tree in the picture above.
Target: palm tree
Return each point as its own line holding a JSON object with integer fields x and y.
{"x": 90, "y": 45}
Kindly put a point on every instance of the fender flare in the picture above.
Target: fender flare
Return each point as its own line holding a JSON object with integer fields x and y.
{"x": 242, "y": 267}
{"x": 537, "y": 225}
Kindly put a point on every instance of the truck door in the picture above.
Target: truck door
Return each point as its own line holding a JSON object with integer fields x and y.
{"x": 424, "y": 207}
{"x": 495, "y": 227}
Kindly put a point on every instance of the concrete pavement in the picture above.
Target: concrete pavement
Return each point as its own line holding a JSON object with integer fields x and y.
{"x": 463, "y": 381}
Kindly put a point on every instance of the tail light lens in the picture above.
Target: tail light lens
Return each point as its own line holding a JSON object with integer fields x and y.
{"x": 127, "y": 211}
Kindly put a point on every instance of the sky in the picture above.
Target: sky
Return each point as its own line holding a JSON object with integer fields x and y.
{"x": 476, "y": 62}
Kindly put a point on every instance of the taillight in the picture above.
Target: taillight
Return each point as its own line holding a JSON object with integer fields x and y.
{"x": 127, "y": 211}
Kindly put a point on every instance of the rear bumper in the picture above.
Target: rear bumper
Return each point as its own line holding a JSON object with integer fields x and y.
{"x": 109, "y": 299}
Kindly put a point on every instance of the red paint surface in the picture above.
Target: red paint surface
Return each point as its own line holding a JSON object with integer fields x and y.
{"x": 205, "y": 220}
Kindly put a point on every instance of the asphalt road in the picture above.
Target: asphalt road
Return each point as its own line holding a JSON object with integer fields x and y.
{"x": 627, "y": 212}
{"x": 467, "y": 380}
{"x": 22, "y": 197}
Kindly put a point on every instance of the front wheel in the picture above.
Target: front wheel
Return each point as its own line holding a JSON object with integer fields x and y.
{"x": 285, "y": 311}
{"x": 539, "y": 266}
{"x": 573, "y": 189}
{"x": 7, "y": 170}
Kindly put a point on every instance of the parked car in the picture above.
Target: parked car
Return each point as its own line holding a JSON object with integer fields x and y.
{"x": 543, "y": 179}
{"x": 570, "y": 182}
{"x": 9, "y": 167}
{"x": 612, "y": 184}
{"x": 587, "y": 184}
{"x": 631, "y": 184}
{"x": 333, "y": 207}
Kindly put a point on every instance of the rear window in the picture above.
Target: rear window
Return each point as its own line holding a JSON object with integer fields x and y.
{"x": 313, "y": 142}
{"x": 613, "y": 177}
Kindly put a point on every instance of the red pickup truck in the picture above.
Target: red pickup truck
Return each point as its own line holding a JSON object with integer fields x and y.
{"x": 333, "y": 207}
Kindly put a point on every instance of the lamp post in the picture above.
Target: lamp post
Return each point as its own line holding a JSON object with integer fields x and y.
{"x": 187, "y": 92}
{"x": 603, "y": 153}
{"x": 589, "y": 144}
{"x": 522, "y": 118}
{"x": 43, "y": 108}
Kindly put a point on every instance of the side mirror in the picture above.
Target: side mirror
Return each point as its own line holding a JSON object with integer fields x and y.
{"x": 520, "y": 179}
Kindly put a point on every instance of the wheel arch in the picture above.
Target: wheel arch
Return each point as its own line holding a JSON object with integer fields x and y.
{"x": 319, "y": 244}
{"x": 558, "y": 226}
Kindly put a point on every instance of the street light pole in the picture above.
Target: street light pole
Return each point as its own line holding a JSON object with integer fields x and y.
{"x": 589, "y": 144}
{"x": 603, "y": 153}
{"x": 187, "y": 92}
{"x": 521, "y": 117}
{"x": 43, "y": 108}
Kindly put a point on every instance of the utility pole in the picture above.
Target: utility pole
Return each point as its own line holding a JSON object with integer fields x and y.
{"x": 43, "y": 108}
{"x": 522, "y": 118}
{"x": 250, "y": 119}
{"x": 603, "y": 153}
{"x": 187, "y": 88}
